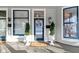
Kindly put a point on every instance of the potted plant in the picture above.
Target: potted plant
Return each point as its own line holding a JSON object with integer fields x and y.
{"x": 27, "y": 28}
{"x": 52, "y": 28}
{"x": 27, "y": 34}
{"x": 52, "y": 33}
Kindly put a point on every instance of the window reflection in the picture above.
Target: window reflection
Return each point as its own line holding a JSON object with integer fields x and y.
{"x": 70, "y": 23}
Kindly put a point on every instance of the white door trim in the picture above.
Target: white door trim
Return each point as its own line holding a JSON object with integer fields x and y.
{"x": 39, "y": 9}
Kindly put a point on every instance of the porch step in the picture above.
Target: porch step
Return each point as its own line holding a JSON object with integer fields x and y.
{"x": 38, "y": 44}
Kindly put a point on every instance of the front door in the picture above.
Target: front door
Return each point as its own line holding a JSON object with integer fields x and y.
{"x": 39, "y": 29}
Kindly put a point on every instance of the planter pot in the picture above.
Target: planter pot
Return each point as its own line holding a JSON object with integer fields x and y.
{"x": 51, "y": 39}
{"x": 28, "y": 39}
{"x": 27, "y": 43}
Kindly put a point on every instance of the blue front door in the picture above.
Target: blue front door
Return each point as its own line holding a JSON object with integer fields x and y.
{"x": 39, "y": 29}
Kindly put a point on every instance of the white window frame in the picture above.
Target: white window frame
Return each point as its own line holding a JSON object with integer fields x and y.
{"x": 12, "y": 17}
{"x": 6, "y": 9}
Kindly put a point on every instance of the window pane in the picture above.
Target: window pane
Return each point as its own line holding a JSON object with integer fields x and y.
{"x": 70, "y": 22}
{"x": 70, "y": 15}
{"x": 20, "y": 26}
{"x": 2, "y": 27}
{"x": 38, "y": 13}
{"x": 21, "y": 13}
{"x": 70, "y": 30}
{"x": 38, "y": 27}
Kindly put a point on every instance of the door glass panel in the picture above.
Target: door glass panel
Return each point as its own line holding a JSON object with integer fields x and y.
{"x": 39, "y": 29}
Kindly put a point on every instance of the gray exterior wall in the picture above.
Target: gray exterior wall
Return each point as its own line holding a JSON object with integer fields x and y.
{"x": 51, "y": 11}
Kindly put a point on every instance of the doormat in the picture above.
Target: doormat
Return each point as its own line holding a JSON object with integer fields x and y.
{"x": 38, "y": 44}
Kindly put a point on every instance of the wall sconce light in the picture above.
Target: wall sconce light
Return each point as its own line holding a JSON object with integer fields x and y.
{"x": 9, "y": 22}
{"x": 9, "y": 25}
{"x": 49, "y": 20}
{"x": 9, "y": 19}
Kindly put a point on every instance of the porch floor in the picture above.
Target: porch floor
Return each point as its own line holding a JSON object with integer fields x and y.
{"x": 18, "y": 47}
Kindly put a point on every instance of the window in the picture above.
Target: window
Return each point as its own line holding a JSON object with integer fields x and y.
{"x": 20, "y": 18}
{"x": 2, "y": 23}
{"x": 70, "y": 22}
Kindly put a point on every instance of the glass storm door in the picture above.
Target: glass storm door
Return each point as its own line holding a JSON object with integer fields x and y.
{"x": 2, "y": 25}
{"x": 39, "y": 29}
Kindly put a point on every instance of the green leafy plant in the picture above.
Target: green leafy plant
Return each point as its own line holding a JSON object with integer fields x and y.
{"x": 52, "y": 28}
{"x": 27, "y": 28}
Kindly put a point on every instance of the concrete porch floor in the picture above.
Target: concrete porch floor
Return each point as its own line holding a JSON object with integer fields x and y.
{"x": 18, "y": 47}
